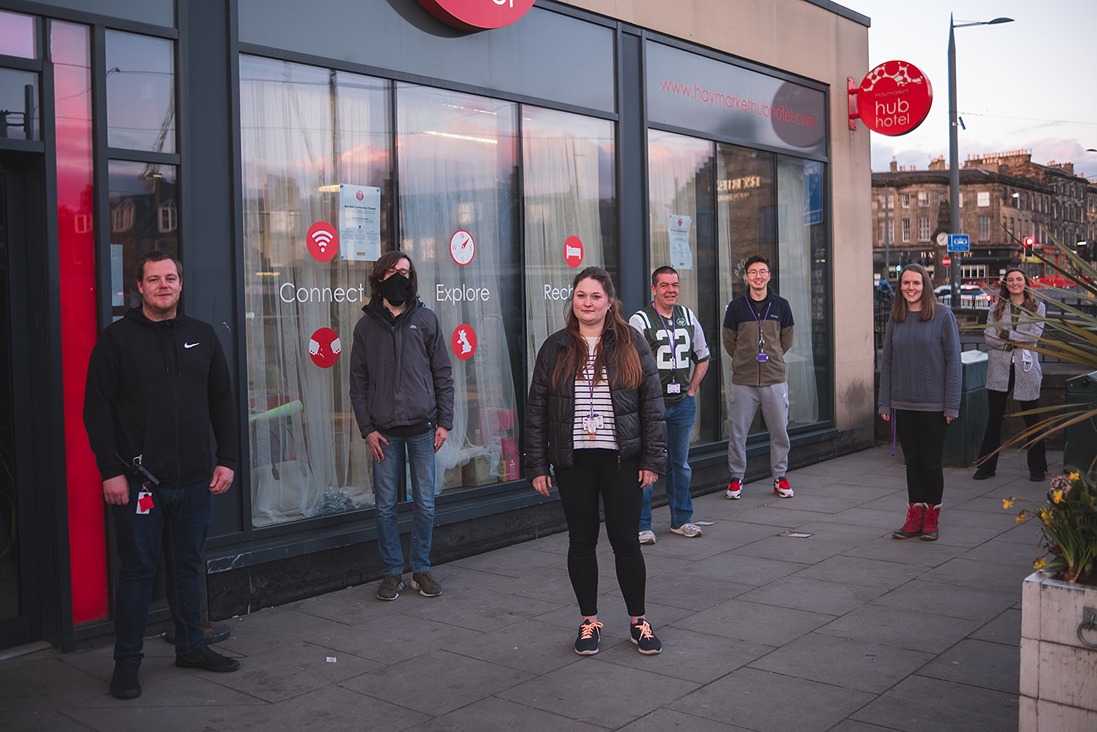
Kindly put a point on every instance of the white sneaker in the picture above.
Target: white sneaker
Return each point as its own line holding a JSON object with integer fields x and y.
{"x": 688, "y": 530}
{"x": 647, "y": 536}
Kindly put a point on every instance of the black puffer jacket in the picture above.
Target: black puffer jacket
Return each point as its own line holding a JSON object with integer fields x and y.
{"x": 550, "y": 411}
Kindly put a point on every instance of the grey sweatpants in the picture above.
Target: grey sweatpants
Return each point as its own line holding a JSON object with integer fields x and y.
{"x": 743, "y": 403}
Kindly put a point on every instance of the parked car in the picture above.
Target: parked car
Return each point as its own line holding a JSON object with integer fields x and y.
{"x": 971, "y": 296}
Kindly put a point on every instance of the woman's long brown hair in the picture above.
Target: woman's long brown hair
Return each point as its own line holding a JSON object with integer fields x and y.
{"x": 929, "y": 303}
{"x": 1029, "y": 303}
{"x": 625, "y": 360}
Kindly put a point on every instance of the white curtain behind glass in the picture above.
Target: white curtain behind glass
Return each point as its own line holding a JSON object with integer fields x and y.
{"x": 301, "y": 428}
{"x": 457, "y": 165}
{"x": 566, "y": 188}
{"x": 794, "y": 247}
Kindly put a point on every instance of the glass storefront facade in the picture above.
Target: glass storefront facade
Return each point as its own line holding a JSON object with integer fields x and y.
{"x": 498, "y": 203}
{"x": 501, "y": 162}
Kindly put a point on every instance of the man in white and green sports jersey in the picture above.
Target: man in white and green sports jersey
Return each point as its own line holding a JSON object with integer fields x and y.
{"x": 679, "y": 346}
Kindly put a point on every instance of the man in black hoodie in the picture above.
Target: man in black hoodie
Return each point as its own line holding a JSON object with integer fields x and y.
{"x": 157, "y": 382}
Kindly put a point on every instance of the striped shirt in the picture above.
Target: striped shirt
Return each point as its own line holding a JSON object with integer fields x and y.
{"x": 593, "y": 406}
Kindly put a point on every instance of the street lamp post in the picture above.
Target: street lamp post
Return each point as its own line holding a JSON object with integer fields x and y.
{"x": 954, "y": 150}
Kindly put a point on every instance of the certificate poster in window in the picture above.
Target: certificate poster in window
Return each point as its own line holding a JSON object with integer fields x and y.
{"x": 359, "y": 222}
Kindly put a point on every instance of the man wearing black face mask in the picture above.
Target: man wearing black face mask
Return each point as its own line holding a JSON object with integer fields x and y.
{"x": 401, "y": 388}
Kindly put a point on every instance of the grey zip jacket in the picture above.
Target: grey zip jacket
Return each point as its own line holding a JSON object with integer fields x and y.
{"x": 400, "y": 372}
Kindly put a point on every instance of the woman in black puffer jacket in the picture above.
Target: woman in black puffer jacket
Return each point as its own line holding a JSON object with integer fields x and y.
{"x": 595, "y": 415}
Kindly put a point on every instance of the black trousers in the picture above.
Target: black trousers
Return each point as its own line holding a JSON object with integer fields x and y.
{"x": 992, "y": 436}
{"x": 600, "y": 473}
{"x": 922, "y": 435}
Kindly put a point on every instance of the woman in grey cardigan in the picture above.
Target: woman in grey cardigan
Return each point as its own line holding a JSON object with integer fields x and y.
{"x": 920, "y": 391}
{"x": 1015, "y": 321}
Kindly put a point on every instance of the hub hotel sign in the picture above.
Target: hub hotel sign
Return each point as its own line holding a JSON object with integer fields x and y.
{"x": 477, "y": 14}
{"x": 894, "y": 98}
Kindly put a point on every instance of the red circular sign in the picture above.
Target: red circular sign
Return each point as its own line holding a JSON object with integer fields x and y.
{"x": 946, "y": 261}
{"x": 894, "y": 98}
{"x": 324, "y": 348}
{"x": 463, "y": 341}
{"x": 573, "y": 251}
{"x": 322, "y": 241}
{"x": 477, "y": 14}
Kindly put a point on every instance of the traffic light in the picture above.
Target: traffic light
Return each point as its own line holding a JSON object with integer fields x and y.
{"x": 1027, "y": 245}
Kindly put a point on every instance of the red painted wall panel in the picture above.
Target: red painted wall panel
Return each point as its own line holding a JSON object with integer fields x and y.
{"x": 71, "y": 53}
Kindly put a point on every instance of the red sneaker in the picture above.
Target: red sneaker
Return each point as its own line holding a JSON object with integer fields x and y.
{"x": 735, "y": 490}
{"x": 782, "y": 488}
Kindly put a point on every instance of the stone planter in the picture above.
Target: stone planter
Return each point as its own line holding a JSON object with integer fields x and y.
{"x": 1058, "y": 672}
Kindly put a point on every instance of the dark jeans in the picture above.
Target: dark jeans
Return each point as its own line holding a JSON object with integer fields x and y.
{"x": 922, "y": 435}
{"x": 601, "y": 473}
{"x": 178, "y": 524}
{"x": 992, "y": 437}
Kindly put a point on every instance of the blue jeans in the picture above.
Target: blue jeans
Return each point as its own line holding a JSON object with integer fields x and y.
{"x": 177, "y": 523}
{"x": 417, "y": 453}
{"x": 679, "y": 418}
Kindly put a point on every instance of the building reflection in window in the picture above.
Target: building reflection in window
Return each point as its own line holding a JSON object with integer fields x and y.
{"x": 139, "y": 195}
{"x": 140, "y": 92}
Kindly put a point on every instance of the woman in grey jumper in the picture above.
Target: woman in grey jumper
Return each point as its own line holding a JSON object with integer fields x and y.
{"x": 1015, "y": 321}
{"x": 920, "y": 391}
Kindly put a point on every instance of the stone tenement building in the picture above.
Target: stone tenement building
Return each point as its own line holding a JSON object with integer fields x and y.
{"x": 1004, "y": 199}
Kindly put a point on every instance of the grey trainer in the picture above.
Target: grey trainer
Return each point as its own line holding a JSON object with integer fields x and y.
{"x": 427, "y": 585}
{"x": 390, "y": 587}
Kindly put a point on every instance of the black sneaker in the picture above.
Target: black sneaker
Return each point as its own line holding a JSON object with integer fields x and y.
{"x": 1036, "y": 476}
{"x": 589, "y": 635}
{"x": 207, "y": 660}
{"x": 646, "y": 641}
{"x": 390, "y": 587}
{"x": 427, "y": 585}
{"x": 124, "y": 683}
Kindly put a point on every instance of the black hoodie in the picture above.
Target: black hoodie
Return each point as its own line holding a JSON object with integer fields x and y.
{"x": 154, "y": 389}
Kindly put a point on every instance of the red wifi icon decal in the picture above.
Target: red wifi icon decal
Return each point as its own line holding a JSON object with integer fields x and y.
{"x": 322, "y": 241}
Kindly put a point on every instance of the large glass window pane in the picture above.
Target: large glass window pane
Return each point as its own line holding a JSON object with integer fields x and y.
{"x": 457, "y": 171}
{"x": 305, "y": 131}
{"x": 18, "y": 35}
{"x": 747, "y": 225}
{"x": 143, "y": 206}
{"x": 140, "y": 92}
{"x": 570, "y": 212}
{"x": 18, "y": 105}
{"x": 803, "y": 270}
{"x": 681, "y": 181}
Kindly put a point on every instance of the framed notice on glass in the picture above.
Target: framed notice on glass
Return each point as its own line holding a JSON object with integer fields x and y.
{"x": 678, "y": 230}
{"x": 359, "y": 222}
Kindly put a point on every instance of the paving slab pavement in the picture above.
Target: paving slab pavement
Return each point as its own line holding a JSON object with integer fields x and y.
{"x": 799, "y": 614}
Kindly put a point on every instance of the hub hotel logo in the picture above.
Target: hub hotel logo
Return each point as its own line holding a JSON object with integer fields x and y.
{"x": 474, "y": 15}
{"x": 894, "y": 98}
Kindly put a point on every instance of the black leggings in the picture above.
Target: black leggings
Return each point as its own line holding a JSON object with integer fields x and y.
{"x": 922, "y": 435}
{"x": 992, "y": 437}
{"x": 601, "y": 472}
